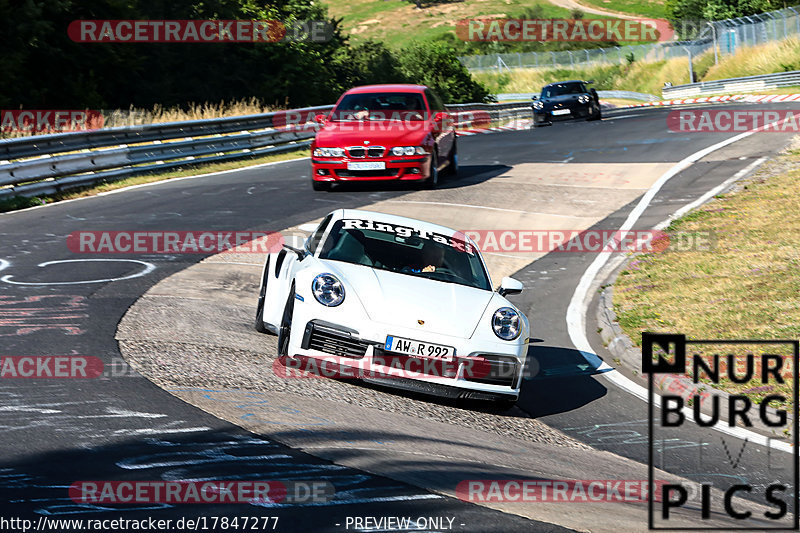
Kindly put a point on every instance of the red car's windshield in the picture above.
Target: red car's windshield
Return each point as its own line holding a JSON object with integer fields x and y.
{"x": 380, "y": 106}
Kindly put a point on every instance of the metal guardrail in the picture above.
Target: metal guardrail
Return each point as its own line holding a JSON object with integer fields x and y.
{"x": 747, "y": 84}
{"x": 66, "y": 142}
{"x": 41, "y": 164}
{"x": 629, "y": 95}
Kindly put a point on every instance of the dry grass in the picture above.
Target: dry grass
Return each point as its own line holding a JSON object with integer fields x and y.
{"x": 640, "y": 76}
{"x": 159, "y": 114}
{"x": 747, "y": 286}
{"x": 193, "y": 111}
{"x": 649, "y": 76}
{"x": 768, "y": 58}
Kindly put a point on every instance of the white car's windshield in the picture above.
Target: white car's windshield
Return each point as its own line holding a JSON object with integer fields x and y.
{"x": 380, "y": 106}
{"x": 405, "y": 250}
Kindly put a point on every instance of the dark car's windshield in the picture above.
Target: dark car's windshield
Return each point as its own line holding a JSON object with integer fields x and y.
{"x": 561, "y": 89}
{"x": 380, "y": 106}
{"x": 405, "y": 250}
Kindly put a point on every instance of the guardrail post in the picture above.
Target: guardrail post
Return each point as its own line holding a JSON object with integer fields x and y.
{"x": 796, "y": 18}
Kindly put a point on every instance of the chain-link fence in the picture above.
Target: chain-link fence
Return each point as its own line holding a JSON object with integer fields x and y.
{"x": 728, "y": 35}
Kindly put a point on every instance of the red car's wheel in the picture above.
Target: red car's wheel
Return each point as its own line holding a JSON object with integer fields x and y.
{"x": 433, "y": 177}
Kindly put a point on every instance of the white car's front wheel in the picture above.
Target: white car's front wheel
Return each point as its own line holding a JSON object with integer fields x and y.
{"x": 262, "y": 295}
{"x": 284, "y": 333}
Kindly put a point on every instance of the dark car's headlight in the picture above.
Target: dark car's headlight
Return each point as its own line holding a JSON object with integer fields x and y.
{"x": 408, "y": 150}
{"x": 506, "y": 323}
{"x": 328, "y": 152}
{"x": 584, "y": 98}
{"x": 328, "y": 290}
{"x": 538, "y": 105}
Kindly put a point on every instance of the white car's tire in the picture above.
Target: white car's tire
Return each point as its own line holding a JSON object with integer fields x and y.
{"x": 285, "y": 330}
{"x": 262, "y": 296}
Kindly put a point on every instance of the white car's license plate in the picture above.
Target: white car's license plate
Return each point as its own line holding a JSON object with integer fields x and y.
{"x": 419, "y": 348}
{"x": 366, "y": 165}
{"x": 561, "y": 111}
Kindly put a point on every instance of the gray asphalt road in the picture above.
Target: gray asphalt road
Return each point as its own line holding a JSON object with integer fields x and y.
{"x": 122, "y": 427}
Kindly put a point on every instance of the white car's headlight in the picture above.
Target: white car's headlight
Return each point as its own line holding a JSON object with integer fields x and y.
{"x": 506, "y": 324}
{"x": 408, "y": 150}
{"x": 328, "y": 290}
{"x": 328, "y": 152}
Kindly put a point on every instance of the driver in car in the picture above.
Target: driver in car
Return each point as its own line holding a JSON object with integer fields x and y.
{"x": 432, "y": 257}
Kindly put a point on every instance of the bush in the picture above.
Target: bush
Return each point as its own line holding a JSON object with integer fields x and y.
{"x": 435, "y": 64}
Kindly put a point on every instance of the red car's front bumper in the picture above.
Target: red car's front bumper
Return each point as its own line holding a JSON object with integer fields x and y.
{"x": 332, "y": 169}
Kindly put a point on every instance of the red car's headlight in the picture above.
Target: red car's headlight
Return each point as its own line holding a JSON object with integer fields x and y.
{"x": 409, "y": 150}
{"x": 328, "y": 152}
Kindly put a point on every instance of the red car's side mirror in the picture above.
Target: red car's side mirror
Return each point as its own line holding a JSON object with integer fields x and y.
{"x": 320, "y": 118}
{"x": 443, "y": 121}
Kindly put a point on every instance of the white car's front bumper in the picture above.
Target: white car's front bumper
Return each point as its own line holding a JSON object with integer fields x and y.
{"x": 482, "y": 368}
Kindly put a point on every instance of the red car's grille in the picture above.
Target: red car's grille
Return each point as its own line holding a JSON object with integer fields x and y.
{"x": 366, "y": 151}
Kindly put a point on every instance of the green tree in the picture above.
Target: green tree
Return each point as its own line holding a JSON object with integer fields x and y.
{"x": 436, "y": 65}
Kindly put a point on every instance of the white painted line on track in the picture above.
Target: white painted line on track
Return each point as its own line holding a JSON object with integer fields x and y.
{"x": 713, "y": 192}
{"x": 148, "y": 267}
{"x": 578, "y": 305}
{"x": 151, "y": 431}
{"x": 614, "y": 117}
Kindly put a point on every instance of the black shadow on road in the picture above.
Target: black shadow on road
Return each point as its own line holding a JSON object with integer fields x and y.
{"x": 38, "y": 486}
{"x": 558, "y": 380}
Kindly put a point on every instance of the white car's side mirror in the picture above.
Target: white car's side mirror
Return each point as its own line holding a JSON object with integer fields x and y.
{"x": 510, "y": 286}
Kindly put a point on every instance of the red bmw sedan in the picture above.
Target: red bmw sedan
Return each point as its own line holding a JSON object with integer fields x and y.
{"x": 384, "y": 132}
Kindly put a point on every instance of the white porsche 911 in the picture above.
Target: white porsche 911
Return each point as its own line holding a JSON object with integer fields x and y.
{"x": 399, "y": 302}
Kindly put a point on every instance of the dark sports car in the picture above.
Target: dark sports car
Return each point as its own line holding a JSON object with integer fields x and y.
{"x": 565, "y": 100}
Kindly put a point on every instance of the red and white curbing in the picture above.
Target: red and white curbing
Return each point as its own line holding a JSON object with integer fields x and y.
{"x": 514, "y": 125}
{"x": 726, "y": 98}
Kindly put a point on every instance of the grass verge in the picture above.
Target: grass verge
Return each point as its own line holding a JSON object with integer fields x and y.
{"x": 649, "y": 76}
{"x": 396, "y": 22}
{"x": 747, "y": 286}
{"x": 20, "y": 202}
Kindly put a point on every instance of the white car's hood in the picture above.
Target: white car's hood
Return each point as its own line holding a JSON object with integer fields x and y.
{"x": 403, "y": 300}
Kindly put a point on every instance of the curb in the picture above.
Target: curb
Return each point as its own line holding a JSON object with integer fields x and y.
{"x": 754, "y": 98}
{"x": 627, "y": 355}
